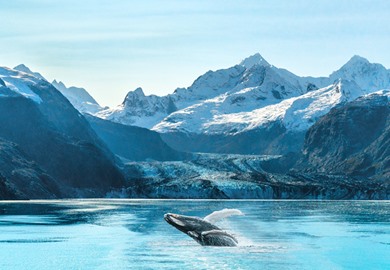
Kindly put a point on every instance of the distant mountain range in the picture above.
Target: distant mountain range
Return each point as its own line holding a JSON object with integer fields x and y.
{"x": 318, "y": 135}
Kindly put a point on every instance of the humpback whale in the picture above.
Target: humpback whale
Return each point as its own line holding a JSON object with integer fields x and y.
{"x": 203, "y": 230}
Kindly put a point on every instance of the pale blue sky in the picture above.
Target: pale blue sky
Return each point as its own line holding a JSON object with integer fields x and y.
{"x": 111, "y": 47}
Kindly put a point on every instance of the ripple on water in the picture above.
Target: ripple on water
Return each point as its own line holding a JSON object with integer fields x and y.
{"x": 34, "y": 241}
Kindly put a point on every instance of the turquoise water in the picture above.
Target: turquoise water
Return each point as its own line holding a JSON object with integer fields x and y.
{"x": 132, "y": 234}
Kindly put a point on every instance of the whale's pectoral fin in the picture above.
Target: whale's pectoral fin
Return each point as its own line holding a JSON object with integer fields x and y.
{"x": 218, "y": 215}
{"x": 218, "y": 238}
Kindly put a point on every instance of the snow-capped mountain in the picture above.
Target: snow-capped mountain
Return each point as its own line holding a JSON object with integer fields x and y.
{"x": 248, "y": 95}
{"x": 79, "y": 97}
{"x": 249, "y": 85}
{"x": 240, "y": 111}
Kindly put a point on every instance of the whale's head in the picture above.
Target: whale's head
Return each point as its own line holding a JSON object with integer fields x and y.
{"x": 188, "y": 224}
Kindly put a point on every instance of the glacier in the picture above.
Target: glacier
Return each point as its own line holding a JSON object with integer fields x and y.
{"x": 240, "y": 176}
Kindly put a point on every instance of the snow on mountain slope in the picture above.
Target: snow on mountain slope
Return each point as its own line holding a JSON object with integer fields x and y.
{"x": 147, "y": 111}
{"x": 251, "y": 72}
{"x": 296, "y": 113}
{"x": 209, "y": 85}
{"x": 260, "y": 86}
{"x": 79, "y": 97}
{"x": 16, "y": 83}
{"x": 251, "y": 84}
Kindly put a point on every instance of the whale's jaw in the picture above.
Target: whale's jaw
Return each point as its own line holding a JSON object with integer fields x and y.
{"x": 200, "y": 230}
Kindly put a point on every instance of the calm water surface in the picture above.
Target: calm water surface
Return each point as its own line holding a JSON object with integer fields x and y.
{"x": 132, "y": 234}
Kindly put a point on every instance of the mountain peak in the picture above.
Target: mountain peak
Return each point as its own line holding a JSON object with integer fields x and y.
{"x": 135, "y": 94}
{"x": 355, "y": 63}
{"x": 357, "y": 59}
{"x": 253, "y": 60}
{"x": 25, "y": 69}
{"x": 369, "y": 76}
{"x": 139, "y": 91}
{"x": 59, "y": 85}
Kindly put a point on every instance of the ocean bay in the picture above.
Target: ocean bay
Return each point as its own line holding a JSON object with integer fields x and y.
{"x": 132, "y": 234}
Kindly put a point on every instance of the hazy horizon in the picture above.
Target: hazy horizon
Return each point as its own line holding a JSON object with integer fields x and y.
{"x": 112, "y": 47}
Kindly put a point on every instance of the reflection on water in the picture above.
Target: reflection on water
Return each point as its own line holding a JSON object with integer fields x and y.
{"x": 132, "y": 234}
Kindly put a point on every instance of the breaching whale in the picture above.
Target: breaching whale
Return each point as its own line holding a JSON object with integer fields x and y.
{"x": 203, "y": 230}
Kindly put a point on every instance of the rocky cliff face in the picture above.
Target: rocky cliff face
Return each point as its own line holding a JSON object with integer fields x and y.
{"x": 353, "y": 139}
